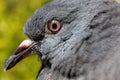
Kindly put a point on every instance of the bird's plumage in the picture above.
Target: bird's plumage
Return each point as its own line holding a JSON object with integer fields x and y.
{"x": 86, "y": 47}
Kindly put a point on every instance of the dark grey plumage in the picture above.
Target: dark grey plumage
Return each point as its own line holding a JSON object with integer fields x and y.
{"x": 86, "y": 47}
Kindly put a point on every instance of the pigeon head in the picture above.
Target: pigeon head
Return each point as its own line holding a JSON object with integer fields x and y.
{"x": 51, "y": 32}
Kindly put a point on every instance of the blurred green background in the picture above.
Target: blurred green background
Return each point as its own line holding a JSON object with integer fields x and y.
{"x": 13, "y": 16}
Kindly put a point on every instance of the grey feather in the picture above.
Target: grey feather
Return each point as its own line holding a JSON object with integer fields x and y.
{"x": 87, "y": 46}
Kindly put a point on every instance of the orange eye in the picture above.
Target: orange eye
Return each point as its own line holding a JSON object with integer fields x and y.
{"x": 54, "y": 26}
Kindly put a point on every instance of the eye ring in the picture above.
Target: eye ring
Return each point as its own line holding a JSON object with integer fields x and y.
{"x": 54, "y": 26}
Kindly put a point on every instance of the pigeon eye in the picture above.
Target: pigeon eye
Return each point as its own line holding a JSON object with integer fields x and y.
{"x": 54, "y": 26}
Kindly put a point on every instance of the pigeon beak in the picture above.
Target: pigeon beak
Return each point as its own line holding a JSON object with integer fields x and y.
{"x": 24, "y": 50}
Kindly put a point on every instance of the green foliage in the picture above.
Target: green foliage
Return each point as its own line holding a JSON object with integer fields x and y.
{"x": 13, "y": 16}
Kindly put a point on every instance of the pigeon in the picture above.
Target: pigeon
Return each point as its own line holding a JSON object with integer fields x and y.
{"x": 74, "y": 39}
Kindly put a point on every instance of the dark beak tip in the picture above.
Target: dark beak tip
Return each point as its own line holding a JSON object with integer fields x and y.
{"x": 22, "y": 51}
{"x": 7, "y": 64}
{"x": 5, "y": 69}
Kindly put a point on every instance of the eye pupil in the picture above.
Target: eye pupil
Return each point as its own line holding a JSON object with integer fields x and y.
{"x": 54, "y": 26}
